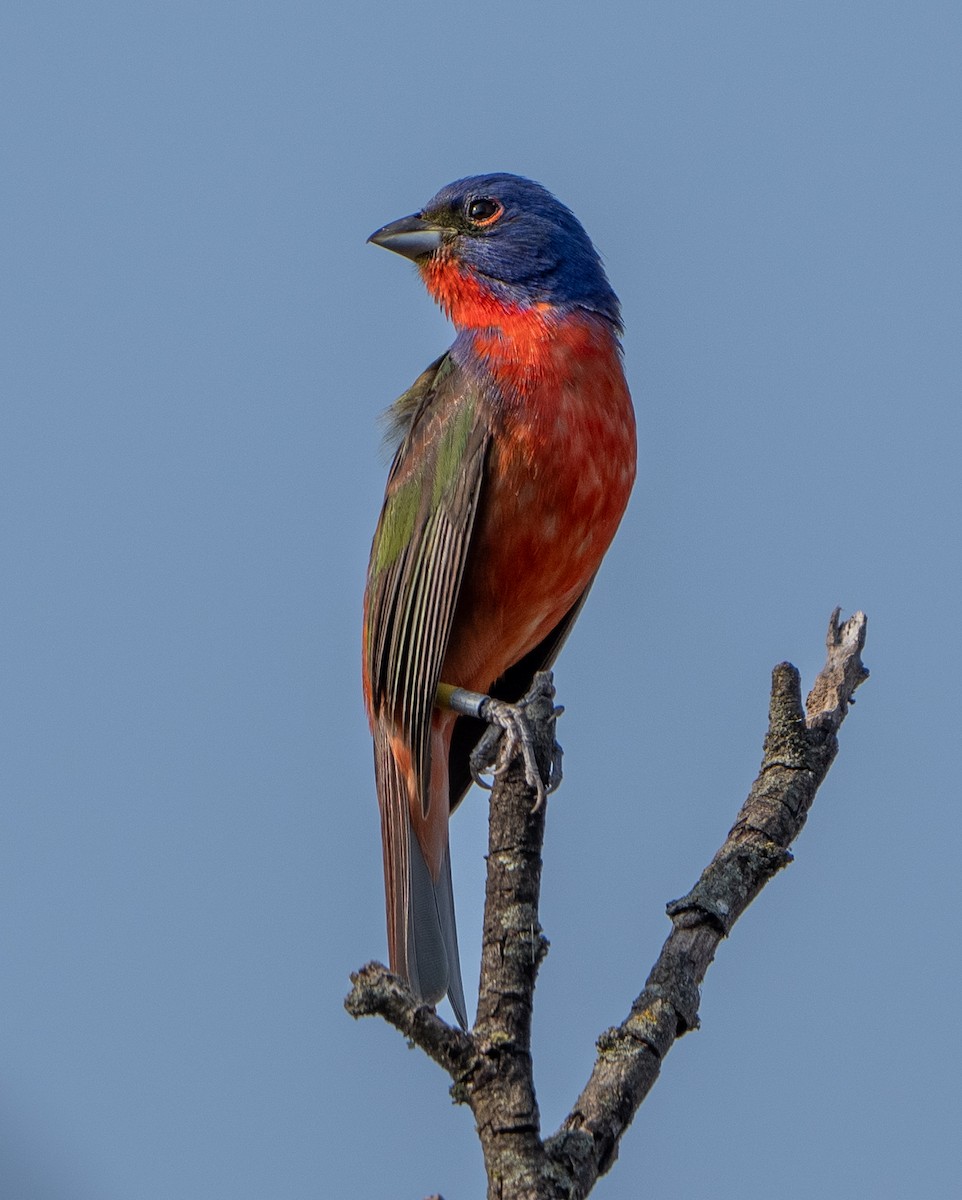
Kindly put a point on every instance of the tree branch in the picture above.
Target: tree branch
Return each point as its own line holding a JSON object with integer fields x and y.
{"x": 502, "y": 1095}
{"x": 491, "y": 1067}
{"x": 799, "y": 749}
{"x": 376, "y": 992}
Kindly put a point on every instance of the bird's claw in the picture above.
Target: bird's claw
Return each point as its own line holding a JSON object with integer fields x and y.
{"x": 509, "y": 734}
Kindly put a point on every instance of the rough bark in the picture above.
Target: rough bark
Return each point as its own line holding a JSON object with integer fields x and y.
{"x": 491, "y": 1067}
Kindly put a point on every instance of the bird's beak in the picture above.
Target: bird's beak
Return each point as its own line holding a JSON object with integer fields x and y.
{"x": 411, "y": 236}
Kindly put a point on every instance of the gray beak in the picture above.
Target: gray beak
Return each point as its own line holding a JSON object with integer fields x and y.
{"x": 413, "y": 237}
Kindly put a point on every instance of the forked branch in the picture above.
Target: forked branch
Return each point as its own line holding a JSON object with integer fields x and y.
{"x": 491, "y": 1067}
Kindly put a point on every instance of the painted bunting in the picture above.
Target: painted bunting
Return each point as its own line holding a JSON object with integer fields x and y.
{"x": 516, "y": 458}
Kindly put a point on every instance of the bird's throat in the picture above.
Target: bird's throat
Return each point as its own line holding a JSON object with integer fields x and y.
{"x": 500, "y": 327}
{"x": 524, "y": 346}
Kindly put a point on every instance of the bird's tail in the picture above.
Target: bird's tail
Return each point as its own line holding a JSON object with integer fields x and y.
{"x": 421, "y": 929}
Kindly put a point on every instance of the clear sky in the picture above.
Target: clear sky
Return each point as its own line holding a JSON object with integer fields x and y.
{"x": 196, "y": 346}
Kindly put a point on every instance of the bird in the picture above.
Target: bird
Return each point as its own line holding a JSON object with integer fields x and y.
{"x": 515, "y": 458}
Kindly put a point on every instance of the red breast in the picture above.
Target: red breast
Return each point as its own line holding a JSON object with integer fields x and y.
{"x": 561, "y": 470}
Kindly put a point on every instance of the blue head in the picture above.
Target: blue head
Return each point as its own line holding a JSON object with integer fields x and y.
{"x": 514, "y": 236}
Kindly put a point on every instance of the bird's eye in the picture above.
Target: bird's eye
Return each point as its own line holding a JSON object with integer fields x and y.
{"x": 484, "y": 211}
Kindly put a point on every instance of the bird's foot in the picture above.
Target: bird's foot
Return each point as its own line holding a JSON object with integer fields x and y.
{"x": 511, "y": 732}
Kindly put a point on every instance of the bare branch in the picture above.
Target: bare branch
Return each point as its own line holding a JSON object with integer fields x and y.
{"x": 376, "y": 992}
{"x": 502, "y": 1095}
{"x": 491, "y": 1067}
{"x": 831, "y": 695}
{"x": 797, "y": 755}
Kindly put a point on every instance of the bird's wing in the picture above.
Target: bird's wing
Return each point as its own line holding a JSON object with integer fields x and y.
{"x": 419, "y": 551}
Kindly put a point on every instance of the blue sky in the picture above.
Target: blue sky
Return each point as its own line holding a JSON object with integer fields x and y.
{"x": 197, "y": 346}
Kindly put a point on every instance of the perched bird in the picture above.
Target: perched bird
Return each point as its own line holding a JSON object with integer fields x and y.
{"x": 516, "y": 460}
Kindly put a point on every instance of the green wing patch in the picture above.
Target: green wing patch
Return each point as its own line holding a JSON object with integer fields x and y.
{"x": 397, "y": 523}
